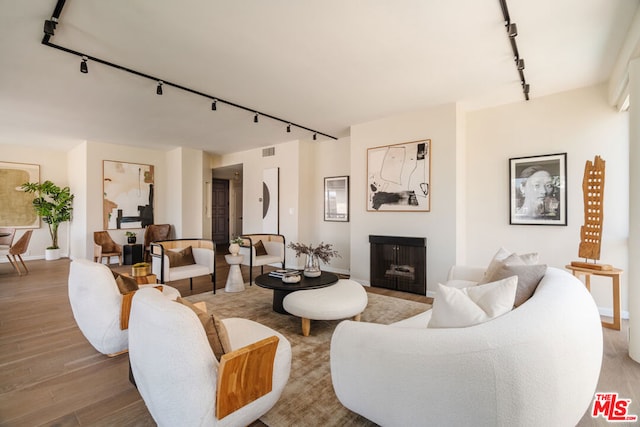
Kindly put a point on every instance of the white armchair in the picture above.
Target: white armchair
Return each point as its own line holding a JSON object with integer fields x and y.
{"x": 274, "y": 245}
{"x": 176, "y": 371}
{"x": 96, "y": 303}
{"x": 203, "y": 250}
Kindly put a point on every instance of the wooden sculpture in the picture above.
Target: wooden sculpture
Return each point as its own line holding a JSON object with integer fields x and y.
{"x": 591, "y": 231}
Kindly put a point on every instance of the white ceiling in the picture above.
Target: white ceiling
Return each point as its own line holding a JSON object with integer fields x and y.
{"x": 325, "y": 65}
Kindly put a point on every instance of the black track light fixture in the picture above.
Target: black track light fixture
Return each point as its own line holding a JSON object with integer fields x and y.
{"x": 83, "y": 65}
{"x": 50, "y": 26}
{"x": 315, "y": 136}
{"x": 512, "y": 30}
{"x": 525, "y": 88}
{"x": 520, "y": 64}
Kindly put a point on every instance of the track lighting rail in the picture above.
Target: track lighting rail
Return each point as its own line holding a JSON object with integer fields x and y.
{"x": 512, "y": 32}
{"x": 49, "y": 29}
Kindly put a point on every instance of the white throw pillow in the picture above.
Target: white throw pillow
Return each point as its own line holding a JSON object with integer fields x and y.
{"x": 459, "y": 308}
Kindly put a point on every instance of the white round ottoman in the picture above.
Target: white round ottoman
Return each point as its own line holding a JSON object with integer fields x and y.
{"x": 345, "y": 299}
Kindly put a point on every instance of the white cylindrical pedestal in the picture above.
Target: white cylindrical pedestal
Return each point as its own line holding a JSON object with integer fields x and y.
{"x": 235, "y": 282}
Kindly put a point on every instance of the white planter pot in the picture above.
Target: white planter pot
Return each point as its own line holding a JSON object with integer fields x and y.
{"x": 51, "y": 254}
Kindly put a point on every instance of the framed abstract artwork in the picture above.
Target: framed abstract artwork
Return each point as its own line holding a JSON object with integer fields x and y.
{"x": 271, "y": 200}
{"x": 127, "y": 195}
{"x": 336, "y": 199}
{"x": 537, "y": 190}
{"x": 16, "y": 206}
{"x": 399, "y": 177}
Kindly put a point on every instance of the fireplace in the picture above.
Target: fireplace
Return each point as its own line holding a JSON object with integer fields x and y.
{"x": 399, "y": 263}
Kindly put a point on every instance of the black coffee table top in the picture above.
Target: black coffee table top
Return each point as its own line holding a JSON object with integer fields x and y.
{"x": 325, "y": 279}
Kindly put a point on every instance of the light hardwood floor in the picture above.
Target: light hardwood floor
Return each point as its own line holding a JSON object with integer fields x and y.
{"x": 52, "y": 376}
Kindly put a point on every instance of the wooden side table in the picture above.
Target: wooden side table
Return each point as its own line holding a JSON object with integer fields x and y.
{"x": 614, "y": 274}
{"x": 144, "y": 280}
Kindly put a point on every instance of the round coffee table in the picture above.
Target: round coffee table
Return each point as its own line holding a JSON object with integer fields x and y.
{"x": 281, "y": 289}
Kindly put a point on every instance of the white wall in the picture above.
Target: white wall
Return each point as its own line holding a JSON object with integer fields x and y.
{"x": 330, "y": 158}
{"x": 303, "y": 166}
{"x": 286, "y": 158}
{"x": 53, "y": 167}
{"x": 579, "y": 123}
{"x": 439, "y": 225}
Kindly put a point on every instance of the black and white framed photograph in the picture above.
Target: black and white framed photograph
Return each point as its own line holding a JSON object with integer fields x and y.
{"x": 537, "y": 190}
{"x": 336, "y": 198}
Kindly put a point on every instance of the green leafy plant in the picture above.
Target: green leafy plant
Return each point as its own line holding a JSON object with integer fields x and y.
{"x": 130, "y": 234}
{"x": 53, "y": 204}
{"x": 237, "y": 240}
{"x": 324, "y": 251}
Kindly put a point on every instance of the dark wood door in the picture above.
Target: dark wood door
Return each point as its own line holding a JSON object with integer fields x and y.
{"x": 220, "y": 211}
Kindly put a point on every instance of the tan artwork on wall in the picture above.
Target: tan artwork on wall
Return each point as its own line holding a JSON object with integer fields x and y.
{"x": 16, "y": 209}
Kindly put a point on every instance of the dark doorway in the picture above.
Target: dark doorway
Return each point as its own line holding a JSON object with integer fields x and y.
{"x": 220, "y": 211}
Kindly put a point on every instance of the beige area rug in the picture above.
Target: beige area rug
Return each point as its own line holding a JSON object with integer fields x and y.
{"x": 308, "y": 399}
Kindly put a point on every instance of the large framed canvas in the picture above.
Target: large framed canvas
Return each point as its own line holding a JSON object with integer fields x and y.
{"x": 399, "y": 177}
{"x": 537, "y": 190}
{"x": 127, "y": 195}
{"x": 336, "y": 198}
{"x": 16, "y": 206}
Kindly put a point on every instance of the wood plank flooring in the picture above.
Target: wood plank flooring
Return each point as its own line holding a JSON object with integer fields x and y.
{"x": 51, "y": 376}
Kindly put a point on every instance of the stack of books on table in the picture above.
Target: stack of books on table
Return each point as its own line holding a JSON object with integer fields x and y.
{"x": 284, "y": 272}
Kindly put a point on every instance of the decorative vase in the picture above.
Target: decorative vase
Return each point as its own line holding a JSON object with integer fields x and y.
{"x": 131, "y": 240}
{"x": 312, "y": 266}
{"x": 234, "y": 249}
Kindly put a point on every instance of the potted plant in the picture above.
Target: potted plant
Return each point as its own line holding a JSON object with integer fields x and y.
{"x": 323, "y": 252}
{"x": 131, "y": 237}
{"x": 234, "y": 245}
{"x": 54, "y": 205}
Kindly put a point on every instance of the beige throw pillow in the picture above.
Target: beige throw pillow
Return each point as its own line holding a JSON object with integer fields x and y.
{"x": 529, "y": 277}
{"x": 459, "y": 308}
{"x": 504, "y": 257}
{"x": 214, "y": 328}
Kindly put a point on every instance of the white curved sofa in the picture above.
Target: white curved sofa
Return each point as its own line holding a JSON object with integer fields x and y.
{"x": 536, "y": 365}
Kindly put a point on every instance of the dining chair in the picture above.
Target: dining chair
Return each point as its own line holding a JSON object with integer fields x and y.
{"x": 15, "y": 251}
{"x": 6, "y": 237}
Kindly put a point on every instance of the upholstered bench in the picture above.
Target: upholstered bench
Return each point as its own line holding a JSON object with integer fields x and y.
{"x": 345, "y": 299}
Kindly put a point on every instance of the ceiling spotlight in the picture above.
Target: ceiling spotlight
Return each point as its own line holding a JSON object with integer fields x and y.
{"x": 289, "y": 128}
{"x": 214, "y": 106}
{"x": 525, "y": 88}
{"x": 83, "y": 65}
{"x": 512, "y": 30}
{"x": 315, "y": 136}
{"x": 50, "y": 26}
{"x": 520, "y": 64}
{"x": 255, "y": 118}
{"x": 159, "y": 89}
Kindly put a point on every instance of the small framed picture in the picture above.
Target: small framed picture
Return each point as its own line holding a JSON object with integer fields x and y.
{"x": 537, "y": 190}
{"x": 336, "y": 198}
